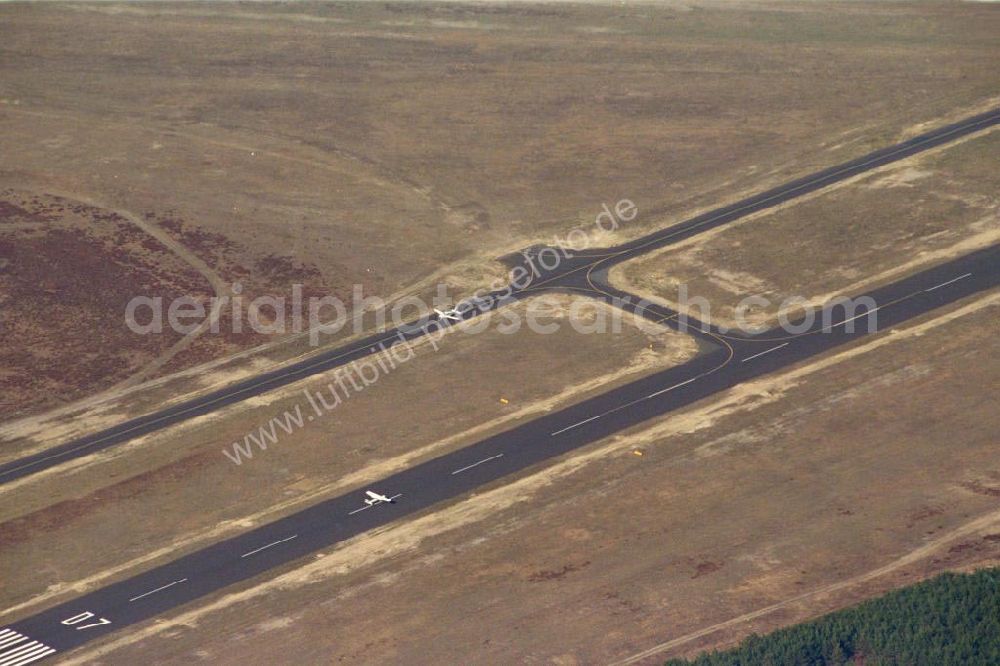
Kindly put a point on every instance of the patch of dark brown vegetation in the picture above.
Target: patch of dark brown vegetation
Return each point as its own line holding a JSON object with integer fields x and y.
{"x": 923, "y": 514}
{"x": 548, "y": 574}
{"x": 981, "y": 488}
{"x": 64, "y": 287}
{"x": 705, "y": 568}
{"x": 286, "y": 269}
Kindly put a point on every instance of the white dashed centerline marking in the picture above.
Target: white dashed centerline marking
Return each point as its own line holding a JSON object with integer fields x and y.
{"x": 273, "y": 543}
{"x": 579, "y": 423}
{"x": 162, "y": 587}
{"x": 766, "y": 351}
{"x": 670, "y": 388}
{"x": 14, "y": 651}
{"x": 628, "y": 404}
{"x": 952, "y": 281}
{"x": 863, "y": 314}
{"x": 890, "y": 156}
{"x": 484, "y": 460}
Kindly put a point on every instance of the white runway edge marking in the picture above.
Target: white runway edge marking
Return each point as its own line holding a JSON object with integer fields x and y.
{"x": 146, "y": 594}
{"x": 476, "y": 464}
{"x": 766, "y": 351}
{"x": 273, "y": 543}
{"x": 14, "y": 651}
{"x": 611, "y": 411}
{"x": 952, "y": 281}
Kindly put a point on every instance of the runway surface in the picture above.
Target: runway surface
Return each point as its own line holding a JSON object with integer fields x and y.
{"x": 453, "y": 476}
{"x": 583, "y": 270}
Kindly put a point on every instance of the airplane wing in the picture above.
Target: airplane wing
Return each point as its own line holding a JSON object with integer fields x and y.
{"x": 451, "y": 315}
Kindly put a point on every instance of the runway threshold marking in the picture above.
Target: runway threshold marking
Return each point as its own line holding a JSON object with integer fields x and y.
{"x": 476, "y": 464}
{"x": 766, "y": 351}
{"x": 9, "y": 637}
{"x": 273, "y": 543}
{"x": 159, "y": 589}
{"x": 952, "y": 281}
{"x": 15, "y": 651}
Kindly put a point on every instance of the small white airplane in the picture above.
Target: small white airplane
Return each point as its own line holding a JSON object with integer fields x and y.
{"x": 450, "y": 315}
{"x": 375, "y": 498}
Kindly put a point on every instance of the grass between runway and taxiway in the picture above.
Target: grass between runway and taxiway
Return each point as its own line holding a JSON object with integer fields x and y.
{"x": 440, "y": 400}
{"x": 839, "y": 242}
{"x": 797, "y": 495}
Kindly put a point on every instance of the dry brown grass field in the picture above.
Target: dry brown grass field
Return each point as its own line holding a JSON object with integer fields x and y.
{"x": 781, "y": 500}
{"x": 389, "y": 145}
{"x": 198, "y": 495}
{"x": 179, "y": 148}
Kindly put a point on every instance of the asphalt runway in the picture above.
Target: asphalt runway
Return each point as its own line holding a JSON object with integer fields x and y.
{"x": 583, "y": 270}
{"x": 728, "y": 362}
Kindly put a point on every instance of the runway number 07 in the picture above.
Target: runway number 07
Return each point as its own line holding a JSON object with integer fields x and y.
{"x": 83, "y": 617}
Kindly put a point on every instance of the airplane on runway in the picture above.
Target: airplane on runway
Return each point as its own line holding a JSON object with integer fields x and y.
{"x": 450, "y": 315}
{"x": 375, "y": 498}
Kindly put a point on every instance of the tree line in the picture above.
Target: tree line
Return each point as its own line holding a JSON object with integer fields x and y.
{"x": 953, "y": 619}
